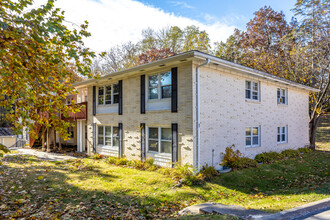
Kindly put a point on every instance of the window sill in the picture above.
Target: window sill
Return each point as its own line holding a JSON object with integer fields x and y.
{"x": 280, "y": 143}
{"x": 158, "y": 100}
{"x": 252, "y": 101}
{"x": 108, "y": 105}
{"x": 108, "y": 147}
{"x": 255, "y": 146}
{"x": 281, "y": 104}
{"x": 165, "y": 155}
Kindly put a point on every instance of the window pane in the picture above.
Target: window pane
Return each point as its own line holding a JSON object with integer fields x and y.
{"x": 166, "y": 134}
{"x": 248, "y": 141}
{"x": 153, "y": 146}
{"x": 153, "y": 93}
{"x": 278, "y": 93}
{"x": 278, "y": 130}
{"x": 101, "y": 91}
{"x": 166, "y": 147}
{"x": 107, "y": 99}
{"x": 283, "y": 137}
{"x": 100, "y": 131}
{"x": 153, "y": 133}
{"x": 108, "y": 95}
{"x": 115, "y": 131}
{"x": 255, "y": 140}
{"x": 247, "y": 84}
{"x": 166, "y": 79}
{"x": 247, "y": 94}
{"x": 115, "y": 88}
{"x": 116, "y": 99}
{"x": 279, "y": 138}
{"x": 255, "y": 95}
{"x": 100, "y": 141}
{"x": 255, "y": 86}
{"x": 153, "y": 81}
{"x": 247, "y": 132}
{"x": 107, "y": 131}
{"x": 283, "y": 99}
{"x": 255, "y": 130}
{"x": 166, "y": 91}
{"x": 115, "y": 141}
{"x": 107, "y": 141}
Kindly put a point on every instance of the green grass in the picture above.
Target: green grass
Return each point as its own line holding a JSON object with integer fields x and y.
{"x": 323, "y": 134}
{"x": 92, "y": 188}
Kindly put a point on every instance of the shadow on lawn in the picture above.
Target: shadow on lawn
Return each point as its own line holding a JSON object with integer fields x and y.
{"x": 43, "y": 192}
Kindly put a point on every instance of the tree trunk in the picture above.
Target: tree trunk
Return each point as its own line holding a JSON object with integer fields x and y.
{"x": 54, "y": 138}
{"x": 43, "y": 139}
{"x": 312, "y": 132}
{"x": 59, "y": 143}
{"x": 48, "y": 140}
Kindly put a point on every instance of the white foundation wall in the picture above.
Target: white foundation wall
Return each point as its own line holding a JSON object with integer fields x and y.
{"x": 225, "y": 113}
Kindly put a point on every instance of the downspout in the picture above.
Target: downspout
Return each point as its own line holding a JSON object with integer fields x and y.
{"x": 198, "y": 133}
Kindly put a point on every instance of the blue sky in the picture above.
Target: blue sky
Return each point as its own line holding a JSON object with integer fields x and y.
{"x": 231, "y": 12}
{"x": 113, "y": 22}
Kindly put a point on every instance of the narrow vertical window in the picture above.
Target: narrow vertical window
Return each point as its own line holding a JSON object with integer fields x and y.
{"x": 252, "y": 136}
{"x": 282, "y": 134}
{"x": 281, "y": 96}
{"x": 252, "y": 90}
{"x": 101, "y": 96}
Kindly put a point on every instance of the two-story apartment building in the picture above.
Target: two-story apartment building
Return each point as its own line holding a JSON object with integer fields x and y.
{"x": 188, "y": 108}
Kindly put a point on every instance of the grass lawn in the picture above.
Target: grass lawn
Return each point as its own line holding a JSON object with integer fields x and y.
{"x": 323, "y": 134}
{"x": 91, "y": 188}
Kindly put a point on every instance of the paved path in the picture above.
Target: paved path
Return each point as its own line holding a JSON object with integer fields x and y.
{"x": 319, "y": 210}
{"x": 41, "y": 155}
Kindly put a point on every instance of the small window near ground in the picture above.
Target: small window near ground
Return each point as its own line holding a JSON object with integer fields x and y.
{"x": 282, "y": 134}
{"x": 252, "y": 137}
{"x": 282, "y": 96}
{"x": 108, "y": 95}
{"x": 252, "y": 90}
{"x": 160, "y": 86}
{"x": 159, "y": 140}
{"x": 107, "y": 136}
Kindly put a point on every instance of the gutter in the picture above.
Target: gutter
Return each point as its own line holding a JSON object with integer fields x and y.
{"x": 198, "y": 133}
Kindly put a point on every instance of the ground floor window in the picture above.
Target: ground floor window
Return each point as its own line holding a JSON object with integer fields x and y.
{"x": 252, "y": 136}
{"x": 159, "y": 140}
{"x": 282, "y": 133}
{"x": 107, "y": 136}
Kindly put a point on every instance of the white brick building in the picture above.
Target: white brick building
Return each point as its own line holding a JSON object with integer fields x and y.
{"x": 153, "y": 110}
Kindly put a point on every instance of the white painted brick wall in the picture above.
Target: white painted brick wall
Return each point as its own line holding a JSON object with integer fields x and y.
{"x": 225, "y": 114}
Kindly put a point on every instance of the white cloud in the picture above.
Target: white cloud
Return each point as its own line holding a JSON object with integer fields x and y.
{"x": 182, "y": 4}
{"x": 112, "y": 22}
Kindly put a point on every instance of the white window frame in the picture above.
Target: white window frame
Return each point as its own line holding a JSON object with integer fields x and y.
{"x": 280, "y": 133}
{"x": 104, "y": 94}
{"x": 280, "y": 94}
{"x": 159, "y": 140}
{"x": 112, "y": 135}
{"x": 251, "y": 90}
{"x": 159, "y": 86}
{"x": 251, "y": 136}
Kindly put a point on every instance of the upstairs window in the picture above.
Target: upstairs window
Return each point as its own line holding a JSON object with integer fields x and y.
{"x": 282, "y": 96}
{"x": 159, "y": 140}
{"x": 108, "y": 95}
{"x": 252, "y": 90}
{"x": 160, "y": 86}
{"x": 282, "y": 134}
{"x": 252, "y": 136}
{"x": 108, "y": 136}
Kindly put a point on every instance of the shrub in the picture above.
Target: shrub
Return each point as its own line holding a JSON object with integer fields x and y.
{"x": 244, "y": 162}
{"x": 184, "y": 174}
{"x": 111, "y": 160}
{"x": 268, "y": 157}
{"x": 121, "y": 161}
{"x": 208, "y": 172}
{"x": 97, "y": 156}
{"x": 230, "y": 156}
{"x": 290, "y": 153}
{"x": 305, "y": 150}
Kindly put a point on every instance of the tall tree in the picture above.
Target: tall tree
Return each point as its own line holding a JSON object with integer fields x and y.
{"x": 154, "y": 55}
{"x": 195, "y": 39}
{"x": 314, "y": 32}
{"x": 36, "y": 49}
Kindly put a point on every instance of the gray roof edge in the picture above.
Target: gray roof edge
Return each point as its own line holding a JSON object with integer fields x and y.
{"x": 254, "y": 71}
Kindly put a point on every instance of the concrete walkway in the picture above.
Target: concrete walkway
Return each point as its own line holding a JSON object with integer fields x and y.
{"x": 312, "y": 211}
{"x": 41, "y": 155}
